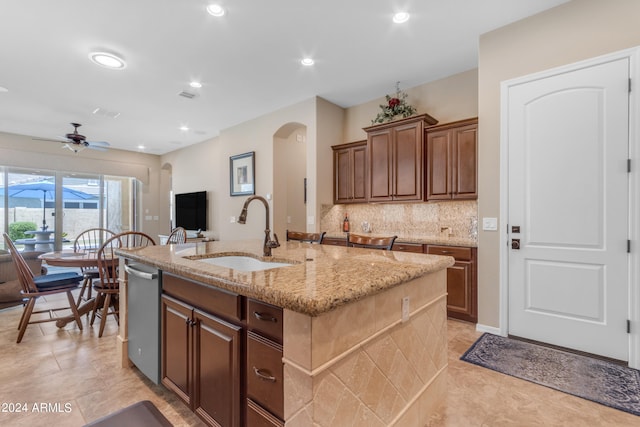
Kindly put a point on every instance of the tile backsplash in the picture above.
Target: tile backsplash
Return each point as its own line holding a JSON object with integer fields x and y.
{"x": 407, "y": 221}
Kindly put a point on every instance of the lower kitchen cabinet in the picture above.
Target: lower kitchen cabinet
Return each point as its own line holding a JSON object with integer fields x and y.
{"x": 462, "y": 281}
{"x": 201, "y": 361}
{"x": 221, "y": 353}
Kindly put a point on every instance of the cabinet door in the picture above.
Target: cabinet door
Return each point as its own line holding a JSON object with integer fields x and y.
{"x": 462, "y": 287}
{"x": 464, "y": 183}
{"x": 176, "y": 347}
{"x": 350, "y": 173}
{"x": 438, "y": 165}
{"x": 359, "y": 173}
{"x": 406, "y": 174}
{"x": 216, "y": 370}
{"x": 460, "y": 292}
{"x": 380, "y": 166}
{"x": 342, "y": 175}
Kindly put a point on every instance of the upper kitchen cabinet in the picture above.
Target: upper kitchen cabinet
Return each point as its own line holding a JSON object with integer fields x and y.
{"x": 452, "y": 160}
{"x": 395, "y": 159}
{"x": 350, "y": 172}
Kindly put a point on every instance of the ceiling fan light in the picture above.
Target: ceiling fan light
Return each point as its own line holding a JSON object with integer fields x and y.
{"x": 107, "y": 60}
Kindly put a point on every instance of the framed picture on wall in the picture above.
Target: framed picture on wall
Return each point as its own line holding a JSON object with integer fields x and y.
{"x": 242, "y": 174}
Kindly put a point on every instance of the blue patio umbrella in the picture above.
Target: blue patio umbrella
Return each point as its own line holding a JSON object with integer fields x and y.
{"x": 44, "y": 191}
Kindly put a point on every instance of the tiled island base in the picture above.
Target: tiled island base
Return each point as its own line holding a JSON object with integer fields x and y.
{"x": 361, "y": 365}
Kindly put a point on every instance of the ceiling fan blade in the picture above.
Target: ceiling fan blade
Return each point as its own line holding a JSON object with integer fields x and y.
{"x": 63, "y": 140}
{"x": 96, "y": 147}
{"x": 99, "y": 143}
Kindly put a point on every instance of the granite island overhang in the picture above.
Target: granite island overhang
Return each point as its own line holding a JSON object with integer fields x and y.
{"x": 364, "y": 330}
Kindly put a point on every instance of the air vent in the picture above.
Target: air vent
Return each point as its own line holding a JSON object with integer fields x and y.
{"x": 187, "y": 95}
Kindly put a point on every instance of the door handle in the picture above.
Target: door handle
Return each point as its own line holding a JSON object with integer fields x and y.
{"x": 515, "y": 244}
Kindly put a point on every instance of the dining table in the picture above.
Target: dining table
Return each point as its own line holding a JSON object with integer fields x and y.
{"x": 72, "y": 259}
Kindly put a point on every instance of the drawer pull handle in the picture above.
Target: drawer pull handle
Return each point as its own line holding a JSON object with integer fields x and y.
{"x": 446, "y": 252}
{"x": 264, "y": 376}
{"x": 266, "y": 318}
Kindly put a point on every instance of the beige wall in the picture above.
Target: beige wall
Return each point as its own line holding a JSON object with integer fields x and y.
{"x": 446, "y": 100}
{"x": 24, "y": 152}
{"x": 577, "y": 30}
{"x": 205, "y": 166}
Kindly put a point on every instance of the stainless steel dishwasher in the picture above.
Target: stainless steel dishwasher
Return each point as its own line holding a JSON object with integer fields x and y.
{"x": 143, "y": 295}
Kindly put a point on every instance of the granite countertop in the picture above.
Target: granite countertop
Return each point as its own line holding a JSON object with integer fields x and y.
{"x": 321, "y": 277}
{"x": 425, "y": 240}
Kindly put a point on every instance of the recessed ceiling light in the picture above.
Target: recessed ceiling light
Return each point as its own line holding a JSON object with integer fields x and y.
{"x": 184, "y": 128}
{"x": 401, "y": 17}
{"x": 215, "y": 10}
{"x": 307, "y": 62}
{"x": 141, "y": 147}
{"x": 196, "y": 85}
{"x": 107, "y": 60}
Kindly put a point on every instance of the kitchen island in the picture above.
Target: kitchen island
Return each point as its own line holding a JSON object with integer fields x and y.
{"x": 362, "y": 338}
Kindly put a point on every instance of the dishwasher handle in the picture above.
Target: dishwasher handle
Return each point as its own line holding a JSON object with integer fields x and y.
{"x": 141, "y": 274}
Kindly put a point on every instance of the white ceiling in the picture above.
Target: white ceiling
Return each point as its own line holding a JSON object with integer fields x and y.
{"x": 247, "y": 61}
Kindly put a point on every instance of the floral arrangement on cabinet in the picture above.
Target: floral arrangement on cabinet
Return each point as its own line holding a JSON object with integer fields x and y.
{"x": 396, "y": 106}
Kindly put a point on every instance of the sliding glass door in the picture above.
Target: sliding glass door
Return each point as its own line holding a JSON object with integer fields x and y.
{"x": 46, "y": 211}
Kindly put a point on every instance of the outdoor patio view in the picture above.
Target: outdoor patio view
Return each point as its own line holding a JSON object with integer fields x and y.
{"x": 31, "y": 202}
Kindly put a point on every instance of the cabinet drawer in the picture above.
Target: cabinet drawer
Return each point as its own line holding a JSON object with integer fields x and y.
{"x": 204, "y": 297}
{"x": 457, "y": 252}
{"x": 408, "y": 247}
{"x": 258, "y": 417}
{"x": 265, "y": 373}
{"x": 265, "y": 319}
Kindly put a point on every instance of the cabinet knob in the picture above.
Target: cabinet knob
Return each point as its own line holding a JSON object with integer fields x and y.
{"x": 263, "y": 374}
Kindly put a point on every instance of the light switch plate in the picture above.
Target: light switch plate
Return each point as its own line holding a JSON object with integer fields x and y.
{"x": 490, "y": 224}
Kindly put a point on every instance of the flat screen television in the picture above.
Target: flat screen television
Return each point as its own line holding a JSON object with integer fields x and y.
{"x": 191, "y": 210}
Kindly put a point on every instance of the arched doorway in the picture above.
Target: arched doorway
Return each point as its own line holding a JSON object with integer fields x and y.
{"x": 289, "y": 178}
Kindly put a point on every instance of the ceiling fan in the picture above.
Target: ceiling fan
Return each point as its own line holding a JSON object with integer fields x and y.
{"x": 77, "y": 142}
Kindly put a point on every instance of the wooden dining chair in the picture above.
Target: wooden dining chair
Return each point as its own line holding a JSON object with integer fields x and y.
{"x": 370, "y": 242}
{"x": 89, "y": 240}
{"x": 34, "y": 287}
{"x": 178, "y": 235}
{"x": 107, "y": 288}
{"x": 305, "y": 237}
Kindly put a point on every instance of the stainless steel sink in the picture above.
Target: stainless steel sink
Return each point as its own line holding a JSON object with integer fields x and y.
{"x": 242, "y": 263}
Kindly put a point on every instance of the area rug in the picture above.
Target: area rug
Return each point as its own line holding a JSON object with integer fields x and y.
{"x": 597, "y": 380}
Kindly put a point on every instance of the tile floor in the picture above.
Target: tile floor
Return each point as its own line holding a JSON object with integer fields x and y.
{"x": 74, "y": 375}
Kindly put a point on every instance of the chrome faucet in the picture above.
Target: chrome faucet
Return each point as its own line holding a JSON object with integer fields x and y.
{"x": 268, "y": 243}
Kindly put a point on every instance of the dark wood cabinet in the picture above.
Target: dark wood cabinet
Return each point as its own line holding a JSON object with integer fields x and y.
{"x": 451, "y": 161}
{"x": 408, "y": 247}
{"x": 201, "y": 349}
{"x": 221, "y": 353}
{"x": 201, "y": 362}
{"x": 462, "y": 287}
{"x": 350, "y": 173}
{"x": 395, "y": 159}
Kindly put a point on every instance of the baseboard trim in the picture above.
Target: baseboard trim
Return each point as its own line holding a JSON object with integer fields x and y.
{"x": 489, "y": 329}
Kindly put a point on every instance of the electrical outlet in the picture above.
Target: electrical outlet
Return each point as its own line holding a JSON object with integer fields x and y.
{"x": 232, "y": 219}
{"x": 405, "y": 309}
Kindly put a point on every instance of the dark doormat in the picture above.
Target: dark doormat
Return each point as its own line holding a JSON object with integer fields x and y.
{"x": 593, "y": 379}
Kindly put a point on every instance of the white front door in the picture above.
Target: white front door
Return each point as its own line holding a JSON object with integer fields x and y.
{"x": 568, "y": 194}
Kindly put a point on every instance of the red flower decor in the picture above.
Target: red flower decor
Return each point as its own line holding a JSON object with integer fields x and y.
{"x": 396, "y": 106}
